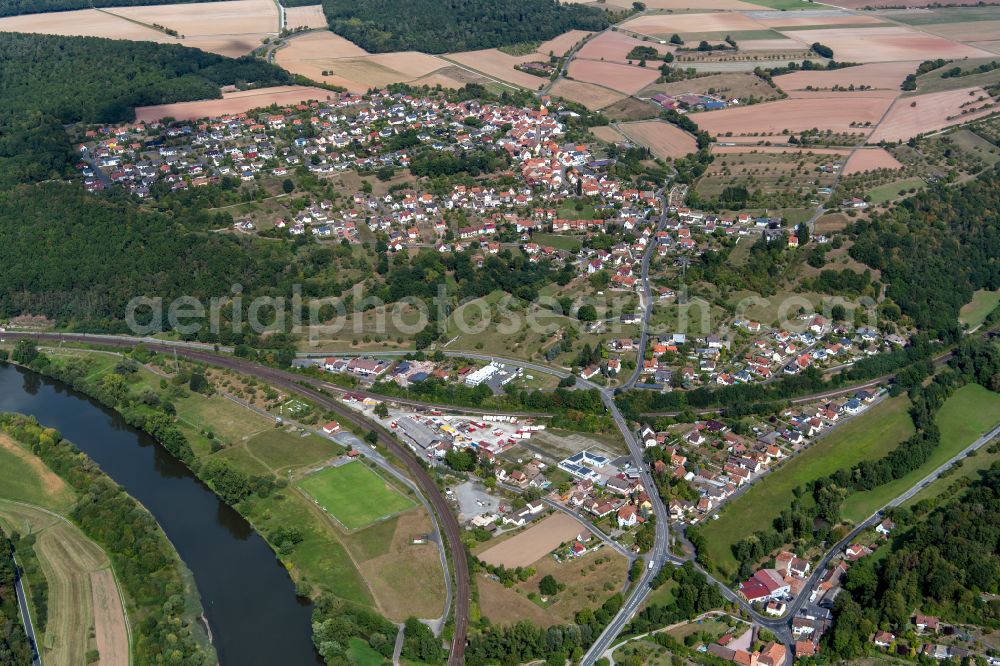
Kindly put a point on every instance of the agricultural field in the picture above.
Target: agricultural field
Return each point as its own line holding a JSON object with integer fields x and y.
{"x": 662, "y": 138}
{"x": 83, "y": 23}
{"x": 883, "y": 75}
{"x": 308, "y": 16}
{"x": 662, "y": 26}
{"x": 533, "y": 543}
{"x": 84, "y": 609}
{"x": 842, "y": 114}
{"x": 591, "y": 96}
{"x": 628, "y": 79}
{"x": 629, "y": 109}
{"x": 869, "y": 160}
{"x": 890, "y": 191}
{"x": 354, "y": 494}
{"x": 866, "y": 437}
{"x": 910, "y": 116}
{"x": 614, "y": 46}
{"x": 232, "y": 103}
{"x": 885, "y": 44}
{"x": 970, "y": 412}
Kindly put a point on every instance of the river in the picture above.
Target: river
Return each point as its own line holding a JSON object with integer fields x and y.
{"x": 250, "y": 601}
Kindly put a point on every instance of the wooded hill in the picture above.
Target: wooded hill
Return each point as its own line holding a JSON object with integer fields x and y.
{"x": 441, "y": 26}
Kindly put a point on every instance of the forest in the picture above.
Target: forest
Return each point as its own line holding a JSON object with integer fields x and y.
{"x": 934, "y": 249}
{"x": 50, "y": 81}
{"x": 17, "y": 7}
{"x": 146, "y": 564}
{"x": 942, "y": 564}
{"x": 441, "y": 26}
{"x": 14, "y": 647}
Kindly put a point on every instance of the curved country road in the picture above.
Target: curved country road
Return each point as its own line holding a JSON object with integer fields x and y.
{"x": 294, "y": 383}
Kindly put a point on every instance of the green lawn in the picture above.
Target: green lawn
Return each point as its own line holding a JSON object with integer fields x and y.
{"x": 890, "y": 191}
{"x": 229, "y": 421}
{"x": 866, "y": 437}
{"x": 969, "y": 468}
{"x": 354, "y": 494}
{"x": 361, "y": 654}
{"x": 975, "y": 312}
{"x": 568, "y": 211}
{"x": 24, "y": 478}
{"x": 967, "y": 414}
{"x": 558, "y": 241}
{"x": 280, "y": 449}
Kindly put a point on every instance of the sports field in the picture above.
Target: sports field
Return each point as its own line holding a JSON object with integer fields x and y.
{"x": 354, "y": 495}
{"x": 866, "y": 437}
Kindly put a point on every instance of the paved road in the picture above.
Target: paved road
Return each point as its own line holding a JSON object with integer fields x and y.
{"x": 307, "y": 388}
{"x": 397, "y": 651}
{"x": 22, "y": 603}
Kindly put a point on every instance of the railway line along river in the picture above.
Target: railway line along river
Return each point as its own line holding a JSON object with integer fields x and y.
{"x": 253, "y": 612}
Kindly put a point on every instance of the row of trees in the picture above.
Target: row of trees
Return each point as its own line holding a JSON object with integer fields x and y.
{"x": 14, "y": 647}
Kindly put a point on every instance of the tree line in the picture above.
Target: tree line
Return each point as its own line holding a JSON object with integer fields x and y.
{"x": 14, "y": 647}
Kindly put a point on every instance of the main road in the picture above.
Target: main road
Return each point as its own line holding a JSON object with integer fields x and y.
{"x": 22, "y": 603}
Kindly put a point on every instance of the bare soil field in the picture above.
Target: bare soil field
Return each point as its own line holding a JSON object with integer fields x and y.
{"x": 562, "y": 43}
{"x": 740, "y": 85}
{"x": 885, "y": 44}
{"x": 308, "y": 16}
{"x": 534, "y": 543}
{"x": 664, "y": 139}
{"x": 887, "y": 75}
{"x": 628, "y": 79}
{"x": 237, "y": 102}
{"x": 993, "y": 46}
{"x": 910, "y": 116}
{"x": 668, "y": 24}
{"x": 82, "y": 23}
{"x": 232, "y": 28}
{"x": 499, "y": 65}
{"x": 614, "y": 47}
{"x": 608, "y": 133}
{"x": 838, "y": 94}
{"x": 870, "y": 159}
{"x": 451, "y": 77}
{"x": 795, "y": 115}
{"x": 591, "y": 96}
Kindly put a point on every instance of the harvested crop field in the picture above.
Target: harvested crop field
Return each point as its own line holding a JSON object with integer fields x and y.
{"x": 505, "y": 606}
{"x": 321, "y": 44}
{"x": 628, "y": 79}
{"x": 533, "y": 543}
{"x": 82, "y": 23}
{"x": 885, "y": 44}
{"x": 662, "y": 138}
{"x": 887, "y": 75}
{"x": 451, "y": 77}
{"x": 965, "y": 31}
{"x": 870, "y": 159}
{"x": 110, "y": 632}
{"x": 910, "y": 116}
{"x": 614, "y": 47}
{"x": 608, "y": 133}
{"x": 237, "y": 102}
{"x": 560, "y": 44}
{"x": 783, "y": 45}
{"x": 861, "y": 4}
{"x": 795, "y": 115}
{"x": 668, "y": 24}
{"x": 837, "y": 94}
{"x": 631, "y": 109}
{"x": 591, "y": 96}
{"x": 779, "y": 20}
{"x": 232, "y": 28}
{"x": 499, "y": 65}
{"x": 308, "y": 16}
{"x": 790, "y": 150}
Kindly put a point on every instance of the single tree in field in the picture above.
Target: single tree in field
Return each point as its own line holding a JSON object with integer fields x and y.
{"x": 548, "y": 586}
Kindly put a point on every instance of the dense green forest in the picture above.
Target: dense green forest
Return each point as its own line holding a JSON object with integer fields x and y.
{"x": 941, "y": 565}
{"x": 14, "y": 647}
{"x": 936, "y": 248}
{"x": 49, "y": 81}
{"x": 16, "y": 7}
{"x": 146, "y": 564}
{"x": 441, "y": 26}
